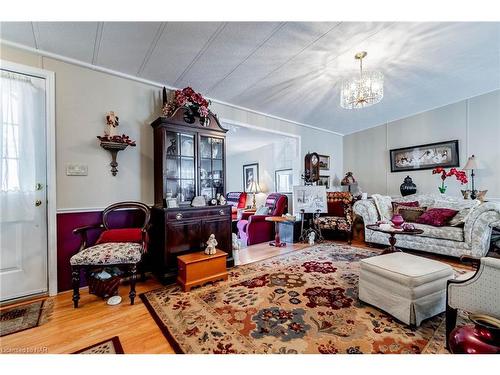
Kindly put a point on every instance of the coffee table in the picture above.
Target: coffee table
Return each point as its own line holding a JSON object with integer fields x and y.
{"x": 392, "y": 236}
{"x": 277, "y": 219}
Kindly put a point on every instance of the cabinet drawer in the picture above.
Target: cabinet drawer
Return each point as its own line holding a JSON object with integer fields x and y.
{"x": 197, "y": 214}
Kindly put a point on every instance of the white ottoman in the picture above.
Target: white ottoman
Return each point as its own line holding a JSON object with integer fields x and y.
{"x": 409, "y": 287}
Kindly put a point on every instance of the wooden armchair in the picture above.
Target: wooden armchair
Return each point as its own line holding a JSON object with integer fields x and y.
{"x": 340, "y": 215}
{"x": 122, "y": 248}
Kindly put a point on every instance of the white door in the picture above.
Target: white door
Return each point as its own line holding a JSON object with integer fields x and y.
{"x": 23, "y": 186}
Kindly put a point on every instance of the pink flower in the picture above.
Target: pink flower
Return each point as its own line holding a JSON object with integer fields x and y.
{"x": 203, "y": 111}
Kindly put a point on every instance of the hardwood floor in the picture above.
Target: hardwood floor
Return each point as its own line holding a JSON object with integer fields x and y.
{"x": 71, "y": 329}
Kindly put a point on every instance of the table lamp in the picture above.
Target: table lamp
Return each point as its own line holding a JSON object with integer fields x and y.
{"x": 254, "y": 188}
{"x": 470, "y": 166}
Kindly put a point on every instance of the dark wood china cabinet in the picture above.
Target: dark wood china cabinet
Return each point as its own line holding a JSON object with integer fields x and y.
{"x": 189, "y": 161}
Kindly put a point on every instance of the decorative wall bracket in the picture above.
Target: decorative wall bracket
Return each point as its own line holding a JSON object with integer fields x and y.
{"x": 113, "y": 148}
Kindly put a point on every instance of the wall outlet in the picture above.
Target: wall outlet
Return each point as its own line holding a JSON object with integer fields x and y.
{"x": 76, "y": 169}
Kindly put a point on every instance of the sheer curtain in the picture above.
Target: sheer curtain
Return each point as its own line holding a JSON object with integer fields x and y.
{"x": 21, "y": 109}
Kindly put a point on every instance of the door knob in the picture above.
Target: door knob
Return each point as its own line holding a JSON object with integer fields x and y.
{"x": 38, "y": 202}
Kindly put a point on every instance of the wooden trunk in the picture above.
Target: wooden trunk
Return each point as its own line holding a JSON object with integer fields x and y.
{"x": 197, "y": 269}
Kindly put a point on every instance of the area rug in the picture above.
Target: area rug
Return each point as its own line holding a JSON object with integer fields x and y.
{"x": 302, "y": 302}
{"x": 109, "y": 346}
{"x": 24, "y": 317}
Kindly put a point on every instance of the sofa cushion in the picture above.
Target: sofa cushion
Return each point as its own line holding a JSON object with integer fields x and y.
{"x": 396, "y": 205}
{"x": 443, "y": 233}
{"x": 437, "y": 217}
{"x": 384, "y": 206}
{"x": 410, "y": 214}
{"x": 406, "y": 269}
{"x": 108, "y": 253}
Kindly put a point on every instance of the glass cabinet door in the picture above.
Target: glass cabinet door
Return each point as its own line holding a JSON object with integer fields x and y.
{"x": 211, "y": 166}
{"x": 179, "y": 167}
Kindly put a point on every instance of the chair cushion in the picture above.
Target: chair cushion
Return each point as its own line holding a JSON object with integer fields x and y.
{"x": 108, "y": 253}
{"x": 407, "y": 269}
{"x": 121, "y": 235}
{"x": 334, "y": 222}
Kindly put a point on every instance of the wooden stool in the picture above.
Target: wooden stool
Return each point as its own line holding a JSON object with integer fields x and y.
{"x": 197, "y": 269}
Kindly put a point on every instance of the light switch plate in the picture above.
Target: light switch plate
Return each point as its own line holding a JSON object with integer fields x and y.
{"x": 77, "y": 169}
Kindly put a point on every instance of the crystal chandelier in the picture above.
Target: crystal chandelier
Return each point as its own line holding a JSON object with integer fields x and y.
{"x": 362, "y": 91}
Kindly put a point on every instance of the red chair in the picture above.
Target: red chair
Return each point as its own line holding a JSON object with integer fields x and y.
{"x": 254, "y": 229}
{"x": 237, "y": 200}
{"x": 340, "y": 215}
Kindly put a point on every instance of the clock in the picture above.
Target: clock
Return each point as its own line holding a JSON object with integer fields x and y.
{"x": 213, "y": 202}
{"x": 311, "y": 168}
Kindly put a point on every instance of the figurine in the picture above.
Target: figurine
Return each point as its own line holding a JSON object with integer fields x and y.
{"x": 312, "y": 238}
{"x": 222, "y": 200}
{"x": 112, "y": 122}
{"x": 211, "y": 243}
{"x": 236, "y": 242}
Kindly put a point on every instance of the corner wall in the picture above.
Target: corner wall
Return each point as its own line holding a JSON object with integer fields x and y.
{"x": 475, "y": 122}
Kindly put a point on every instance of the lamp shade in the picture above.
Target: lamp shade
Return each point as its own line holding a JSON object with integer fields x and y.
{"x": 254, "y": 187}
{"x": 471, "y": 164}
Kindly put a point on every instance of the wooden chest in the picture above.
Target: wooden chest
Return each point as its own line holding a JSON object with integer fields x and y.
{"x": 199, "y": 268}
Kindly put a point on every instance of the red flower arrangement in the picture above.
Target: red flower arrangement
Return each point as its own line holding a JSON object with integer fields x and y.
{"x": 117, "y": 138}
{"x": 189, "y": 98}
{"x": 461, "y": 176}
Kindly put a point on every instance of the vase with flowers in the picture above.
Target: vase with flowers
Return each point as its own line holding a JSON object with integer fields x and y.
{"x": 194, "y": 102}
{"x": 461, "y": 176}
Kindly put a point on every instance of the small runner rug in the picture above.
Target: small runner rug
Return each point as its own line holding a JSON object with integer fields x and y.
{"x": 302, "y": 302}
{"x": 109, "y": 346}
{"x": 24, "y": 317}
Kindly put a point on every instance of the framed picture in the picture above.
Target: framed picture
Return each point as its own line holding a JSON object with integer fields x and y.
{"x": 324, "y": 181}
{"x": 310, "y": 198}
{"x": 430, "y": 156}
{"x": 250, "y": 174}
{"x": 324, "y": 162}
{"x": 283, "y": 180}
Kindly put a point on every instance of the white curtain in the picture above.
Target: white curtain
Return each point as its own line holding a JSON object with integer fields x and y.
{"x": 22, "y": 137}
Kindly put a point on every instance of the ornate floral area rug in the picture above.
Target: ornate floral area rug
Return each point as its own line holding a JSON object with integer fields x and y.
{"x": 303, "y": 302}
{"x": 24, "y": 317}
{"x": 109, "y": 346}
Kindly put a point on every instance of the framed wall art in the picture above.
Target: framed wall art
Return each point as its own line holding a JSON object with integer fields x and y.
{"x": 250, "y": 174}
{"x": 429, "y": 156}
{"x": 324, "y": 162}
{"x": 324, "y": 181}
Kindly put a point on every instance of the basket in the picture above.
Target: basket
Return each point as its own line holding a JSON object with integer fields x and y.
{"x": 104, "y": 288}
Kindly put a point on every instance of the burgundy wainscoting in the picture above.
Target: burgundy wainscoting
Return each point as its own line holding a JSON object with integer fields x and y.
{"x": 68, "y": 243}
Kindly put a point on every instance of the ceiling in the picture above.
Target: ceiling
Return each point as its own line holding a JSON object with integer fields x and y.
{"x": 243, "y": 139}
{"x": 291, "y": 70}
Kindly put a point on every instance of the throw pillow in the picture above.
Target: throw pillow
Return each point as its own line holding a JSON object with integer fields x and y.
{"x": 120, "y": 235}
{"x": 264, "y": 210}
{"x": 437, "y": 217}
{"x": 395, "y": 205}
{"x": 384, "y": 206}
{"x": 410, "y": 214}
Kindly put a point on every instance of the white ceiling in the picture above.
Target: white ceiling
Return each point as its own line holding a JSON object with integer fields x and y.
{"x": 288, "y": 69}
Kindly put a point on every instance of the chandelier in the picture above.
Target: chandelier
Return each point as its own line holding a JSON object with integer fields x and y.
{"x": 364, "y": 90}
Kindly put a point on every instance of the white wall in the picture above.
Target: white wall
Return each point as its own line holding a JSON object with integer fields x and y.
{"x": 83, "y": 96}
{"x": 475, "y": 122}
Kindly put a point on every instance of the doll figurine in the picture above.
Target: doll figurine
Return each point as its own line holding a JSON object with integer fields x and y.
{"x": 211, "y": 243}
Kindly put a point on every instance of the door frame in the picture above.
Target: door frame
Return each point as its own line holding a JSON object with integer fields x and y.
{"x": 51, "y": 164}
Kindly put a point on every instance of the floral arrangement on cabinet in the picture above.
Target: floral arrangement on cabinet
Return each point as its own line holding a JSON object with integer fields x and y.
{"x": 188, "y": 98}
{"x": 461, "y": 176}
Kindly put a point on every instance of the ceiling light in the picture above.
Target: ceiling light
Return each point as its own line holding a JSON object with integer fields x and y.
{"x": 363, "y": 90}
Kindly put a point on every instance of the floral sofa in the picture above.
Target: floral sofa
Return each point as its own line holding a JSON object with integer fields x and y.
{"x": 473, "y": 238}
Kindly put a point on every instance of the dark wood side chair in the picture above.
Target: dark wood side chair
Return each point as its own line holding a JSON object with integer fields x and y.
{"x": 122, "y": 248}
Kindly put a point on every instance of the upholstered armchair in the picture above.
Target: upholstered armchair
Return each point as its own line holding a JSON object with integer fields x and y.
{"x": 237, "y": 200}
{"x": 479, "y": 294}
{"x": 340, "y": 215}
{"x": 122, "y": 248}
{"x": 254, "y": 228}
